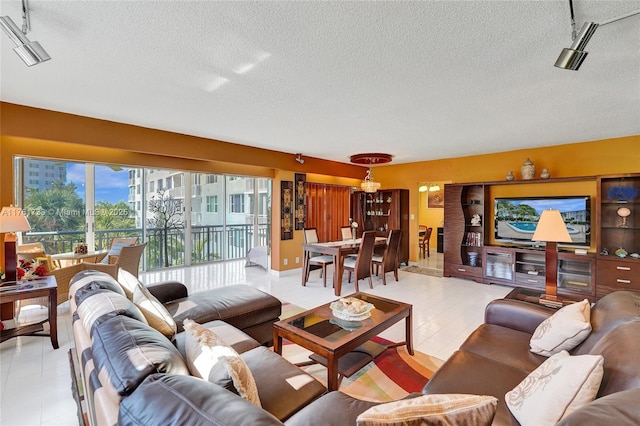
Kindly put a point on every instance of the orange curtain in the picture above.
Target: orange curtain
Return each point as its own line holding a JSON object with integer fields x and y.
{"x": 327, "y": 209}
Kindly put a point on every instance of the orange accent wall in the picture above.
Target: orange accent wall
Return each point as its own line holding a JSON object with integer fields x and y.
{"x": 607, "y": 156}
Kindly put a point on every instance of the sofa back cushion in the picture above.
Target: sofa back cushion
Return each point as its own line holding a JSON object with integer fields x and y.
{"x": 126, "y": 351}
{"x": 609, "y": 312}
{"x": 190, "y": 401}
{"x": 92, "y": 280}
{"x": 620, "y": 348}
{"x": 93, "y": 305}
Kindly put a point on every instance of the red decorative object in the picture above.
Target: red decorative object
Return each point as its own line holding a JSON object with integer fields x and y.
{"x": 371, "y": 158}
{"x": 30, "y": 270}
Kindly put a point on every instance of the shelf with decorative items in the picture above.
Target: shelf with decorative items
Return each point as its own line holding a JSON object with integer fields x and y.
{"x": 618, "y": 223}
{"x": 382, "y": 211}
{"x": 464, "y": 230}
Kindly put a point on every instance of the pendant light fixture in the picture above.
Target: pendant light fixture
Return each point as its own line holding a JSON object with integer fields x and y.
{"x": 368, "y": 184}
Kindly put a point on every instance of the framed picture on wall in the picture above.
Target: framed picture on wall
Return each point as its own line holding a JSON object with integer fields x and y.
{"x": 287, "y": 220}
{"x": 301, "y": 200}
{"x": 435, "y": 199}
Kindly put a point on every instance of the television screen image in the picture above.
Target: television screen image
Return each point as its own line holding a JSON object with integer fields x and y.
{"x": 516, "y": 218}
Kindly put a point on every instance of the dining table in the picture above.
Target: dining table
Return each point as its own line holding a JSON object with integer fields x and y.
{"x": 74, "y": 258}
{"x": 339, "y": 250}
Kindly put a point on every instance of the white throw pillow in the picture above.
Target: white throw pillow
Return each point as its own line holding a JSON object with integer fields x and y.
{"x": 563, "y": 330}
{"x": 450, "y": 409}
{"x": 154, "y": 312}
{"x": 204, "y": 349}
{"x": 559, "y": 386}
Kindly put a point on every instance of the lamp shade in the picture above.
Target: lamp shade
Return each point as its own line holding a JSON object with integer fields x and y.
{"x": 12, "y": 219}
{"x": 551, "y": 227}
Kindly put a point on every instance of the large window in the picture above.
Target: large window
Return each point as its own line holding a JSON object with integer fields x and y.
{"x": 76, "y": 202}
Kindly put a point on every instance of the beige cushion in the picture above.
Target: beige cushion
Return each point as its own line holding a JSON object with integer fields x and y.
{"x": 99, "y": 303}
{"x": 205, "y": 350}
{"x": 452, "y": 409}
{"x": 154, "y": 312}
{"x": 564, "y": 330}
{"x": 559, "y": 386}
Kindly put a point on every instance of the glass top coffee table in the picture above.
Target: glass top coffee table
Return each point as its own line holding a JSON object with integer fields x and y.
{"x": 332, "y": 339}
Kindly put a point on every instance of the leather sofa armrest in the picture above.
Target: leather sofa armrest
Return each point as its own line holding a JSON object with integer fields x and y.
{"x": 166, "y": 291}
{"x": 516, "y": 314}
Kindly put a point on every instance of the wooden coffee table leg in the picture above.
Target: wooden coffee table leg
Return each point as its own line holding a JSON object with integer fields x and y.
{"x": 53, "y": 317}
{"x": 332, "y": 373}
{"x": 408, "y": 323}
{"x": 277, "y": 343}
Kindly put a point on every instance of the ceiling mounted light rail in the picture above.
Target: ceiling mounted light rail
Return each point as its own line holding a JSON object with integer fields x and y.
{"x": 29, "y": 51}
{"x": 572, "y": 58}
{"x": 368, "y": 184}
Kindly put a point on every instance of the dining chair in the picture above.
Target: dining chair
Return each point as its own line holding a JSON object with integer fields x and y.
{"x": 129, "y": 258}
{"x": 130, "y": 241}
{"x": 389, "y": 259}
{"x": 423, "y": 244}
{"x": 316, "y": 260}
{"x": 346, "y": 233}
{"x": 360, "y": 265}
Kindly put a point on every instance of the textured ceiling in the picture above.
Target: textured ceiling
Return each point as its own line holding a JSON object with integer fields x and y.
{"x": 421, "y": 80}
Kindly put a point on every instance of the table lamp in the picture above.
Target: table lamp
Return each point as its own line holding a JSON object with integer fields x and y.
{"x": 552, "y": 230}
{"x": 12, "y": 220}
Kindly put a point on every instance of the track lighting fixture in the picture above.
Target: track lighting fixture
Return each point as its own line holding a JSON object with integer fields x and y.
{"x": 29, "y": 51}
{"x": 572, "y": 58}
{"x": 299, "y": 158}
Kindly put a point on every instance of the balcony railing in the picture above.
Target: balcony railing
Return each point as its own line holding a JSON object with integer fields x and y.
{"x": 208, "y": 243}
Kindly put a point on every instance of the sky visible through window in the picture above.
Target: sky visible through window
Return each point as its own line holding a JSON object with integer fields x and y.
{"x": 111, "y": 185}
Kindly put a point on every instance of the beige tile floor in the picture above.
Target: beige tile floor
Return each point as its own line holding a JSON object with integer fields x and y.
{"x": 35, "y": 379}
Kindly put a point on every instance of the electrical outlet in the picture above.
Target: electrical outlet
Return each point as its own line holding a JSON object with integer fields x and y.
{"x": 286, "y": 261}
{"x": 297, "y": 259}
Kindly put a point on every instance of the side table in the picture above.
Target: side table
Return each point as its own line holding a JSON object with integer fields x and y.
{"x": 20, "y": 290}
{"x": 533, "y": 296}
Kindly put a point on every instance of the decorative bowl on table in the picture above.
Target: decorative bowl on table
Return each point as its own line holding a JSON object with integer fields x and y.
{"x": 351, "y": 309}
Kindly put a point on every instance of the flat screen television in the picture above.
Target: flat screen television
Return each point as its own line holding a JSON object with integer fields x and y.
{"x": 516, "y": 218}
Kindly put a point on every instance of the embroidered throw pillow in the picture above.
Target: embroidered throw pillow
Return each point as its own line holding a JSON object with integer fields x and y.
{"x": 559, "y": 386}
{"x": 450, "y": 409}
{"x": 207, "y": 352}
{"x": 563, "y": 330}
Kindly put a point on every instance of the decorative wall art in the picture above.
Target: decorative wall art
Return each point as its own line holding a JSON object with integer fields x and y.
{"x": 301, "y": 200}
{"x": 435, "y": 199}
{"x": 286, "y": 226}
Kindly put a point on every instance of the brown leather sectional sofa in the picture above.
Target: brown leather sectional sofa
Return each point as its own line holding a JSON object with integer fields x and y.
{"x": 496, "y": 357}
{"x": 492, "y": 361}
{"x": 123, "y": 358}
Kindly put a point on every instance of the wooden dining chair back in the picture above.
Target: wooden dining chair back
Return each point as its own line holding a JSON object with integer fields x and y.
{"x": 360, "y": 265}
{"x": 129, "y": 258}
{"x": 389, "y": 259}
{"x": 423, "y": 245}
{"x": 346, "y": 233}
{"x": 315, "y": 260}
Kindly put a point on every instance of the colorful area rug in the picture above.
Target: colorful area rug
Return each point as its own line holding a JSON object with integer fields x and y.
{"x": 392, "y": 375}
{"x": 424, "y": 271}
